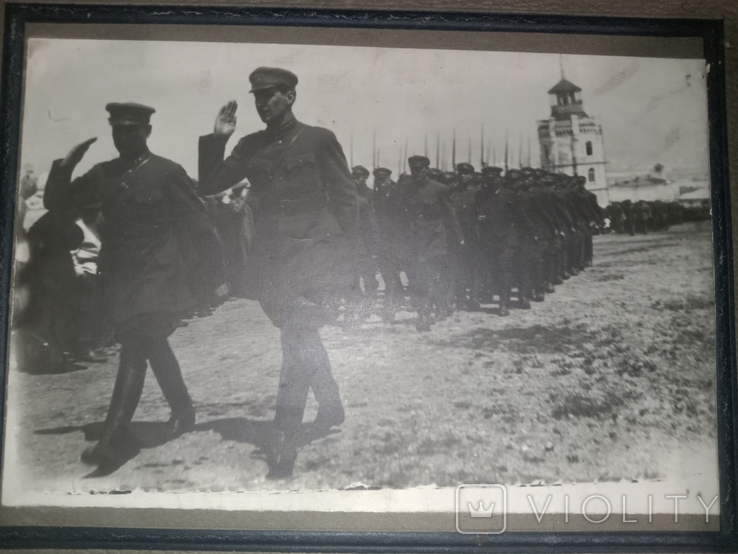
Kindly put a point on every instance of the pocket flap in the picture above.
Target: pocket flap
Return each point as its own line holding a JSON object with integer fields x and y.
{"x": 297, "y": 161}
{"x": 147, "y": 195}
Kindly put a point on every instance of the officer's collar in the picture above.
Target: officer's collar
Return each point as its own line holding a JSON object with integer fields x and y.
{"x": 139, "y": 160}
{"x": 283, "y": 129}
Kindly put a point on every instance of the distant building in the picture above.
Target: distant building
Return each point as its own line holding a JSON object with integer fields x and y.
{"x": 571, "y": 141}
{"x": 695, "y": 198}
{"x": 657, "y": 185}
{"x": 645, "y": 187}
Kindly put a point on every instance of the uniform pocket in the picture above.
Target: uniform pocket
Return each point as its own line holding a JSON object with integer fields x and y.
{"x": 302, "y": 171}
{"x": 147, "y": 195}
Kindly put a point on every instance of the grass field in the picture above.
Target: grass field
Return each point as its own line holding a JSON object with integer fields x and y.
{"x": 612, "y": 377}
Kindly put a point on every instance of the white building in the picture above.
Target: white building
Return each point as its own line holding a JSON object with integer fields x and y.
{"x": 571, "y": 141}
{"x": 648, "y": 188}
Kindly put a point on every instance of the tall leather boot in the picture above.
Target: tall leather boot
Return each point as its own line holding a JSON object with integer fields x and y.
{"x": 325, "y": 389}
{"x": 294, "y": 386}
{"x": 126, "y": 393}
{"x": 168, "y": 374}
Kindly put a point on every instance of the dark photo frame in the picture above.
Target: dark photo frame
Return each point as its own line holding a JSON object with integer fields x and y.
{"x": 390, "y": 522}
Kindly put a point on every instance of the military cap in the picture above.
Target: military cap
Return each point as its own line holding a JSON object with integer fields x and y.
{"x": 419, "y": 160}
{"x": 528, "y": 171}
{"x": 491, "y": 171}
{"x": 129, "y": 113}
{"x": 360, "y": 170}
{"x": 435, "y": 173}
{"x": 269, "y": 77}
{"x": 513, "y": 174}
{"x": 382, "y": 171}
{"x": 465, "y": 167}
{"x": 447, "y": 178}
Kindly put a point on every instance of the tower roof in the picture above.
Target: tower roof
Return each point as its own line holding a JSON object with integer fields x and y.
{"x": 564, "y": 86}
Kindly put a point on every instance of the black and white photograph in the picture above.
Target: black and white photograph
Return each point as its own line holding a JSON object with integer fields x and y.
{"x": 252, "y": 267}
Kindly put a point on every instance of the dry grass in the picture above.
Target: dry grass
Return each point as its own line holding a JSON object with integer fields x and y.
{"x": 597, "y": 382}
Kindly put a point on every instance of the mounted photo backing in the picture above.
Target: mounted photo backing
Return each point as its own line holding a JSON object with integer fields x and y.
{"x": 593, "y": 411}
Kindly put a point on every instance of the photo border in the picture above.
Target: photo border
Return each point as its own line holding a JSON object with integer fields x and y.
{"x": 17, "y": 16}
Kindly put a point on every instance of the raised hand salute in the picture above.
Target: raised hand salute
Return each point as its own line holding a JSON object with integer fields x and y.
{"x": 225, "y": 121}
{"x": 77, "y": 153}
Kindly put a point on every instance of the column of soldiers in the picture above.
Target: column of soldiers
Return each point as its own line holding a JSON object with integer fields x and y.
{"x": 462, "y": 238}
{"x": 317, "y": 237}
{"x": 643, "y": 216}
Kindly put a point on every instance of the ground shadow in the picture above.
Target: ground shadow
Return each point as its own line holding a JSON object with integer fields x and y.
{"x": 150, "y": 434}
{"x": 536, "y": 339}
{"x": 140, "y": 435}
{"x": 258, "y": 432}
{"x": 45, "y": 367}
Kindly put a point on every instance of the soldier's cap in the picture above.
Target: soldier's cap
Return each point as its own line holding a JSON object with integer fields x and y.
{"x": 435, "y": 173}
{"x": 360, "y": 170}
{"x": 382, "y": 171}
{"x": 129, "y": 113}
{"x": 528, "y": 171}
{"x": 419, "y": 160}
{"x": 513, "y": 174}
{"x": 465, "y": 167}
{"x": 269, "y": 77}
{"x": 491, "y": 171}
{"x": 447, "y": 177}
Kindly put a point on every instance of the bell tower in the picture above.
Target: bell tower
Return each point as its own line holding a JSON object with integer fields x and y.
{"x": 571, "y": 141}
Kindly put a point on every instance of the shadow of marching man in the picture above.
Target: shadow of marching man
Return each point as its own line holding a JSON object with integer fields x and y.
{"x": 156, "y": 241}
{"x": 302, "y": 262}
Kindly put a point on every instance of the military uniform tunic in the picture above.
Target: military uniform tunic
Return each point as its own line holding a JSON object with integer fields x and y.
{"x": 305, "y": 211}
{"x": 153, "y": 235}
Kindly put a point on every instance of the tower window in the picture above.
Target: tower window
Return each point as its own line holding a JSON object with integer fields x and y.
{"x": 591, "y": 173}
{"x": 589, "y": 148}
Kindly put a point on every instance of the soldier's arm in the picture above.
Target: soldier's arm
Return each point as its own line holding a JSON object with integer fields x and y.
{"x": 216, "y": 174}
{"x": 449, "y": 216}
{"x": 372, "y": 230}
{"x": 198, "y": 241}
{"x": 64, "y": 194}
{"x": 342, "y": 194}
{"x": 545, "y": 214}
{"x": 521, "y": 217}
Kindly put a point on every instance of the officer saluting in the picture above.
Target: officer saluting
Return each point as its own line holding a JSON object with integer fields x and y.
{"x": 154, "y": 233}
{"x": 306, "y": 230}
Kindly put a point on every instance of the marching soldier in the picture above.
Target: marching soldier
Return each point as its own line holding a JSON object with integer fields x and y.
{"x": 360, "y": 174}
{"x": 390, "y": 250}
{"x": 155, "y": 235}
{"x": 501, "y": 223}
{"x": 431, "y": 230}
{"x": 544, "y": 227}
{"x": 306, "y": 229}
{"x": 524, "y": 257}
{"x": 366, "y": 266}
{"x": 466, "y": 262}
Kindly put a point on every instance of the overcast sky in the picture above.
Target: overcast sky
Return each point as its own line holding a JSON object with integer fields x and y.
{"x": 651, "y": 110}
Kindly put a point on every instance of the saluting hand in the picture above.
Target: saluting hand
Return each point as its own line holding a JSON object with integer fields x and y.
{"x": 225, "y": 122}
{"x": 77, "y": 153}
